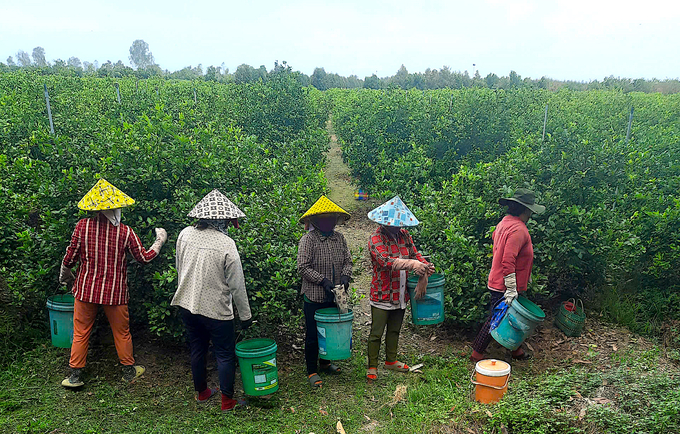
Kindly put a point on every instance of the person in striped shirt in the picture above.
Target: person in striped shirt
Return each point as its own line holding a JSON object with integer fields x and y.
{"x": 99, "y": 245}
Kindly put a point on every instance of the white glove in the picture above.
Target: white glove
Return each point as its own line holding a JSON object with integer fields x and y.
{"x": 66, "y": 276}
{"x": 161, "y": 238}
{"x": 510, "y": 288}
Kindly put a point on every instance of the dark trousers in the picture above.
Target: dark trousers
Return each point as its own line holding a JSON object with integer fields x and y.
{"x": 311, "y": 339}
{"x": 484, "y": 337}
{"x": 200, "y": 331}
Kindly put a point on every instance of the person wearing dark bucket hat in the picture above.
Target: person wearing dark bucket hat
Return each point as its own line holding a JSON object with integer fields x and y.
{"x": 513, "y": 257}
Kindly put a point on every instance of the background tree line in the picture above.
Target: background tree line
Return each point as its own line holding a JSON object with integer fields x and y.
{"x": 142, "y": 65}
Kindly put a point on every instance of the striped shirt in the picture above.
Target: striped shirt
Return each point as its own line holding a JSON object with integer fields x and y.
{"x": 384, "y": 249}
{"x": 100, "y": 248}
{"x": 320, "y": 257}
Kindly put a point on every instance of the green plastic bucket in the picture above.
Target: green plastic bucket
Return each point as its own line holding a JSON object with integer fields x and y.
{"x": 518, "y": 323}
{"x": 257, "y": 361}
{"x": 430, "y": 308}
{"x": 60, "y": 308}
{"x": 334, "y": 331}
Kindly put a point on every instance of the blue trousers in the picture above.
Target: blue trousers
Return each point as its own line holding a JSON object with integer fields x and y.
{"x": 200, "y": 331}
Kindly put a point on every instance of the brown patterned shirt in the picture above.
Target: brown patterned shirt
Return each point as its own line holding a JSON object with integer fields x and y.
{"x": 322, "y": 257}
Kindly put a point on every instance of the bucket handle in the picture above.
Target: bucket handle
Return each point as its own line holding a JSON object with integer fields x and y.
{"x": 477, "y": 383}
{"x": 517, "y": 325}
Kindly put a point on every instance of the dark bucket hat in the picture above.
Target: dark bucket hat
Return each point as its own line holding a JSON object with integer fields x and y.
{"x": 525, "y": 197}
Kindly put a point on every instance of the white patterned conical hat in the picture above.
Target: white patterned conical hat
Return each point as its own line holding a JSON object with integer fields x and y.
{"x": 393, "y": 213}
{"x": 216, "y": 206}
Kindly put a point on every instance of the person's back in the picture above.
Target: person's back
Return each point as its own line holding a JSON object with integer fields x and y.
{"x": 208, "y": 272}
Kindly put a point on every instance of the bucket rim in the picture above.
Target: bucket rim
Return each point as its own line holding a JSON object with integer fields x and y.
{"x": 436, "y": 277}
{"x": 333, "y": 315}
{"x": 490, "y": 373}
{"x": 267, "y": 347}
{"x": 524, "y": 310}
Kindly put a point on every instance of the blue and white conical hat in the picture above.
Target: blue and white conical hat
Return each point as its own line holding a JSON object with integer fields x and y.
{"x": 393, "y": 213}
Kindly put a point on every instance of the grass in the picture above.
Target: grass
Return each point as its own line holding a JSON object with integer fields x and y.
{"x": 638, "y": 394}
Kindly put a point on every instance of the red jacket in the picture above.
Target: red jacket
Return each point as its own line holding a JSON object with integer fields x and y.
{"x": 384, "y": 250}
{"x": 512, "y": 253}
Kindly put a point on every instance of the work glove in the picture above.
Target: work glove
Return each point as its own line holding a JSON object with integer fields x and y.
{"x": 411, "y": 265}
{"x": 161, "y": 238}
{"x": 510, "y": 288}
{"x": 327, "y": 286}
{"x": 246, "y": 323}
{"x": 66, "y": 276}
{"x": 344, "y": 281}
{"x": 421, "y": 287}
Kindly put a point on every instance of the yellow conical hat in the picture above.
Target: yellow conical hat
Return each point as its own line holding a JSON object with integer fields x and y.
{"x": 325, "y": 206}
{"x": 104, "y": 196}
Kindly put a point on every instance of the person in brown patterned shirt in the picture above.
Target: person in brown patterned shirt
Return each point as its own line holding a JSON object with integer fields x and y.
{"x": 324, "y": 261}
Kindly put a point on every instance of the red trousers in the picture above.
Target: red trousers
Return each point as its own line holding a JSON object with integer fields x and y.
{"x": 84, "y": 315}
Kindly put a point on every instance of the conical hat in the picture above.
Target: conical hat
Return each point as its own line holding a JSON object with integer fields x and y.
{"x": 216, "y": 206}
{"x": 393, "y": 213}
{"x": 104, "y": 196}
{"x": 325, "y": 206}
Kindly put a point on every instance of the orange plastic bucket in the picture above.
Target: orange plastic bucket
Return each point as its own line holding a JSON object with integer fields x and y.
{"x": 490, "y": 378}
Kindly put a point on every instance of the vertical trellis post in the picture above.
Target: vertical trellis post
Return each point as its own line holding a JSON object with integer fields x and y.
{"x": 49, "y": 110}
{"x": 545, "y": 120}
{"x": 118, "y": 93}
{"x": 630, "y": 123}
{"x": 194, "y": 95}
{"x": 137, "y": 86}
{"x": 451, "y": 102}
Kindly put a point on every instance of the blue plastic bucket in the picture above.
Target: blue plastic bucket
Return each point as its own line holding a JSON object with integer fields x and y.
{"x": 60, "y": 308}
{"x": 518, "y": 323}
{"x": 334, "y": 331}
{"x": 430, "y": 308}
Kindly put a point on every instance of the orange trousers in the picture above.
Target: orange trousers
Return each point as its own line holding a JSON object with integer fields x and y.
{"x": 84, "y": 315}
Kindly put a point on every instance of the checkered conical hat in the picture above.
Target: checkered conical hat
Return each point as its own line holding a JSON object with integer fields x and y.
{"x": 393, "y": 213}
{"x": 104, "y": 196}
{"x": 216, "y": 206}
{"x": 325, "y": 206}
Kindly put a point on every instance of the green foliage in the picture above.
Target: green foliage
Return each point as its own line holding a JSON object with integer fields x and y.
{"x": 260, "y": 144}
{"x": 613, "y": 210}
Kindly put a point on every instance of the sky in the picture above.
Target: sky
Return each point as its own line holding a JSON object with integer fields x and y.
{"x": 578, "y": 40}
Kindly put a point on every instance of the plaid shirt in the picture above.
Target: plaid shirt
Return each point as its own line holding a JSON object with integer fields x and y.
{"x": 320, "y": 257}
{"x": 100, "y": 248}
{"x": 384, "y": 250}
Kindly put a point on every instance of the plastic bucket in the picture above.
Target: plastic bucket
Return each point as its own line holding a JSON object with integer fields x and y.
{"x": 430, "y": 308}
{"x": 60, "y": 308}
{"x": 518, "y": 323}
{"x": 491, "y": 379}
{"x": 257, "y": 362}
{"x": 334, "y": 331}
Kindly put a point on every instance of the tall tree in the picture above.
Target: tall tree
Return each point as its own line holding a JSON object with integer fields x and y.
{"x": 39, "y": 57}
{"x": 319, "y": 79}
{"x": 23, "y": 59}
{"x": 74, "y": 62}
{"x": 140, "y": 56}
{"x": 10, "y": 61}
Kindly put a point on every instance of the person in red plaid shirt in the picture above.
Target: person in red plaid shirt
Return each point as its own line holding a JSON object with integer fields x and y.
{"x": 99, "y": 244}
{"x": 393, "y": 255}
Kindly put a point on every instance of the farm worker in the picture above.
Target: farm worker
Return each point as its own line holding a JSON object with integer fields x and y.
{"x": 324, "y": 262}
{"x": 209, "y": 279}
{"x": 99, "y": 243}
{"x": 393, "y": 255}
{"x": 513, "y": 257}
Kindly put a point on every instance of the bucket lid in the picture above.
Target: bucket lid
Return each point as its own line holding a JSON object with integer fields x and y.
{"x": 493, "y": 368}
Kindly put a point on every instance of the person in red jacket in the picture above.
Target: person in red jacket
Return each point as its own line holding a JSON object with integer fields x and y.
{"x": 513, "y": 257}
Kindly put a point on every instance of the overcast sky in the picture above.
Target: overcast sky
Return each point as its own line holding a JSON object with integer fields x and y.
{"x": 574, "y": 39}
